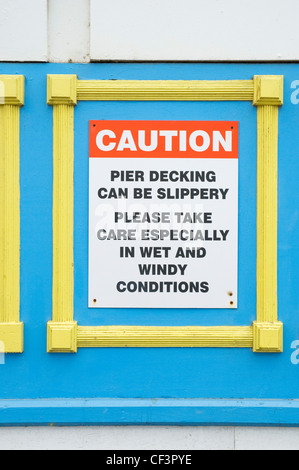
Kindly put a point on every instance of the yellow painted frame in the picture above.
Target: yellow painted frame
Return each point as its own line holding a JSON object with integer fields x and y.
{"x": 11, "y": 99}
{"x": 266, "y": 333}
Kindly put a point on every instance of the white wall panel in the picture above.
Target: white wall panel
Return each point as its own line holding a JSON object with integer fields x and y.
{"x": 266, "y": 438}
{"x": 23, "y": 30}
{"x": 194, "y": 30}
{"x": 69, "y": 30}
{"x": 118, "y": 438}
{"x": 149, "y": 438}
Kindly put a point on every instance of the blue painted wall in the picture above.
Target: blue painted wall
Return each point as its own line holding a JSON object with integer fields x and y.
{"x": 150, "y": 373}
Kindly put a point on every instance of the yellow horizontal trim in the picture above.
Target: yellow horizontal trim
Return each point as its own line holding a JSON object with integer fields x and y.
{"x": 165, "y": 337}
{"x": 165, "y": 90}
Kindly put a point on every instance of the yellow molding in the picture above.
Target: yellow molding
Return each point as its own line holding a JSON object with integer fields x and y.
{"x": 268, "y": 337}
{"x": 63, "y": 212}
{"x": 62, "y": 89}
{"x": 268, "y": 90}
{"x": 164, "y": 90}
{"x": 12, "y": 90}
{"x": 62, "y": 337}
{"x": 165, "y": 337}
{"x": 267, "y": 119}
{"x": 11, "y": 329}
{"x": 9, "y": 214}
{"x": 11, "y": 337}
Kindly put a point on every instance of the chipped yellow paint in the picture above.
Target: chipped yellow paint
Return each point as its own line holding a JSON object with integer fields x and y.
{"x": 64, "y": 335}
{"x": 11, "y": 98}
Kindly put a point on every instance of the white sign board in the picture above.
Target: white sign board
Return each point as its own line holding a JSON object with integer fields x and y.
{"x": 163, "y": 214}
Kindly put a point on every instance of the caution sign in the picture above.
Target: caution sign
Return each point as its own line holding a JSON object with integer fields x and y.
{"x": 163, "y": 214}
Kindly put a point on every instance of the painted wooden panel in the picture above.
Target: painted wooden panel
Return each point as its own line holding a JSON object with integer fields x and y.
{"x": 108, "y": 379}
{"x": 69, "y": 30}
{"x": 23, "y": 30}
{"x": 181, "y": 30}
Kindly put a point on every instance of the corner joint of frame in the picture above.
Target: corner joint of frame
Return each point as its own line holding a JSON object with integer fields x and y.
{"x": 62, "y": 337}
{"x": 268, "y": 337}
{"x": 12, "y": 90}
{"x": 62, "y": 89}
{"x": 12, "y": 337}
{"x": 268, "y": 90}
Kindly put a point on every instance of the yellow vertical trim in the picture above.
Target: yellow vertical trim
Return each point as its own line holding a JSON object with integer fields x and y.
{"x": 267, "y": 117}
{"x": 62, "y": 330}
{"x": 10, "y": 215}
{"x": 267, "y": 330}
{"x": 63, "y": 191}
{"x": 11, "y": 98}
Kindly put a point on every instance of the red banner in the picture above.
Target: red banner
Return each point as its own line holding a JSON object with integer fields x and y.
{"x": 163, "y": 139}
